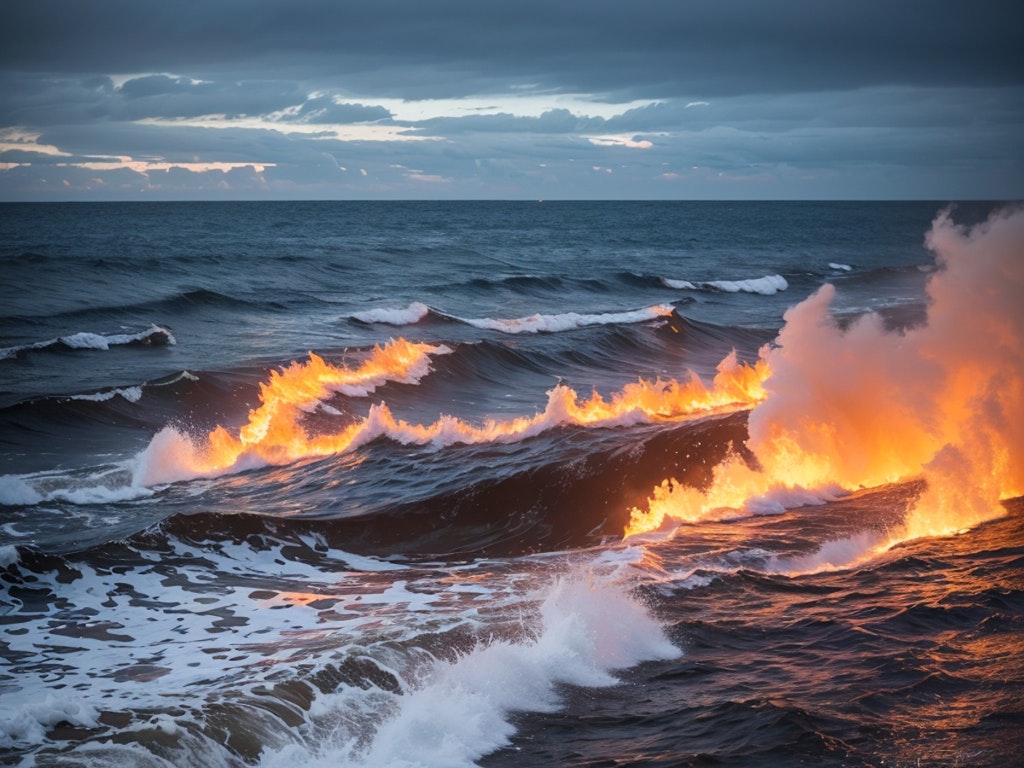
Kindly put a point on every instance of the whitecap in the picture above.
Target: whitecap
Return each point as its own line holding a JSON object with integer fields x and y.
{"x": 766, "y": 286}
{"x": 408, "y": 316}
{"x": 87, "y": 340}
{"x": 131, "y": 394}
{"x": 566, "y": 321}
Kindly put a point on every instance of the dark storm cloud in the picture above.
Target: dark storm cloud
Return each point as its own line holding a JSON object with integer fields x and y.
{"x": 888, "y": 106}
{"x": 642, "y": 48}
{"x": 40, "y": 101}
{"x": 570, "y": 98}
{"x": 172, "y": 143}
{"x": 166, "y": 96}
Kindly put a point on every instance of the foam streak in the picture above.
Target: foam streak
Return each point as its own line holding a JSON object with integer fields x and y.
{"x": 863, "y": 406}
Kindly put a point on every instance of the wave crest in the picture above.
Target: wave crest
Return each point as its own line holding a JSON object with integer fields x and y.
{"x": 152, "y": 336}
{"x": 768, "y": 285}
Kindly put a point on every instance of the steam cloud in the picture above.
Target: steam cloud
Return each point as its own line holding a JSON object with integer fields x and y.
{"x": 864, "y": 406}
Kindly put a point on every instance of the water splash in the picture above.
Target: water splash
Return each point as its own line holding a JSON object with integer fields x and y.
{"x": 862, "y": 406}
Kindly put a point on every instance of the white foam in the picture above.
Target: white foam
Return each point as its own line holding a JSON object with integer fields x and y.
{"x": 680, "y": 285}
{"x": 567, "y": 321}
{"x": 840, "y": 267}
{"x": 839, "y": 554}
{"x": 780, "y": 498}
{"x": 87, "y": 340}
{"x": 14, "y": 491}
{"x": 8, "y": 555}
{"x": 131, "y": 394}
{"x": 183, "y": 375}
{"x": 408, "y": 316}
{"x": 587, "y": 627}
{"x": 766, "y": 286}
{"x": 24, "y": 719}
{"x": 99, "y": 494}
{"x": 99, "y": 486}
{"x": 96, "y": 341}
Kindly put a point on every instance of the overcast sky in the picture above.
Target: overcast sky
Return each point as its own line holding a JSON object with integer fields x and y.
{"x": 743, "y": 99}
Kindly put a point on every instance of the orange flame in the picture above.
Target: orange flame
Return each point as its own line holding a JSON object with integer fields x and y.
{"x": 275, "y": 432}
{"x": 865, "y": 406}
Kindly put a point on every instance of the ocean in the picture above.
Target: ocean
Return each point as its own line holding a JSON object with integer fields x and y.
{"x": 512, "y": 484}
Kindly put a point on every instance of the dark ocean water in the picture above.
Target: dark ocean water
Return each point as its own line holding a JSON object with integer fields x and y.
{"x": 348, "y": 484}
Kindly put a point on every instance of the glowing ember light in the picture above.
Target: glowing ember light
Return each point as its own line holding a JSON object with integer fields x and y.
{"x": 275, "y": 432}
{"x": 865, "y": 406}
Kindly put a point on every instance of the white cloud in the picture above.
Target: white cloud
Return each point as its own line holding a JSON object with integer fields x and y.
{"x": 20, "y": 139}
{"x": 346, "y": 132}
{"x": 148, "y": 166}
{"x": 517, "y": 104}
{"x": 629, "y": 142}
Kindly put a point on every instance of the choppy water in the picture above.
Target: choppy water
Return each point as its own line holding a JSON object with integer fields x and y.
{"x": 347, "y": 484}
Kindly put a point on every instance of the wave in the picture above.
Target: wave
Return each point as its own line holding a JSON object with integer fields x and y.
{"x": 536, "y": 323}
{"x": 567, "y": 321}
{"x": 463, "y": 710}
{"x": 186, "y": 301}
{"x": 408, "y": 316}
{"x": 105, "y": 486}
{"x": 536, "y": 285}
{"x": 152, "y": 336}
{"x": 563, "y": 491}
{"x": 132, "y": 394}
{"x": 521, "y": 282}
{"x": 768, "y": 285}
{"x": 203, "y": 297}
{"x": 437, "y": 683}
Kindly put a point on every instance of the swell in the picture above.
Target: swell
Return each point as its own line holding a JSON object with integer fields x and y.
{"x": 568, "y": 491}
{"x": 154, "y": 336}
{"x": 538, "y": 322}
{"x": 199, "y": 398}
{"x": 491, "y": 376}
{"x": 181, "y": 302}
{"x": 529, "y": 285}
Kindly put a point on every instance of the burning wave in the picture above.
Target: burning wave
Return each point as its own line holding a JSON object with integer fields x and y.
{"x": 833, "y": 407}
{"x": 862, "y": 406}
{"x": 276, "y": 431}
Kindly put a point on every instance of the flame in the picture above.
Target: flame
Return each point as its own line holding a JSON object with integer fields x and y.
{"x": 865, "y": 406}
{"x": 831, "y": 408}
{"x": 275, "y": 431}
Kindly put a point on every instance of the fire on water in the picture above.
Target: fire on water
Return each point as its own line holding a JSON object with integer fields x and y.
{"x": 832, "y": 409}
{"x": 276, "y": 434}
{"x": 863, "y": 406}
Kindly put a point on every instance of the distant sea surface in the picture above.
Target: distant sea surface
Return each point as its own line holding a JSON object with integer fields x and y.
{"x": 511, "y": 483}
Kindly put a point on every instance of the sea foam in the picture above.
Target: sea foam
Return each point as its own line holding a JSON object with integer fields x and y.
{"x": 766, "y": 286}
{"x": 85, "y": 340}
{"x": 408, "y": 316}
{"x": 540, "y": 323}
{"x": 587, "y": 627}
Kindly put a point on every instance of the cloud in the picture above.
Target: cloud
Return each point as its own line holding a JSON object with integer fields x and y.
{"x": 552, "y": 121}
{"x": 654, "y": 48}
{"x": 629, "y": 142}
{"x": 793, "y": 98}
{"x": 327, "y": 110}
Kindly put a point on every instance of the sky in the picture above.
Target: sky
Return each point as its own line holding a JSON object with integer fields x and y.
{"x": 533, "y": 99}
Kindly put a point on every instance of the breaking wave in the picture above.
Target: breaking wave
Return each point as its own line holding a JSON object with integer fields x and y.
{"x": 766, "y": 286}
